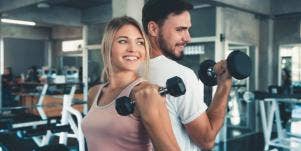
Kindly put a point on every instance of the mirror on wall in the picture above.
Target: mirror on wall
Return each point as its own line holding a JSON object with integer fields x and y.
{"x": 289, "y": 66}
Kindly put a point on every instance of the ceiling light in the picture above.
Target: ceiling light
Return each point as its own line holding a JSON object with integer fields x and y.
{"x": 201, "y": 6}
{"x": 43, "y": 5}
{"x": 20, "y": 22}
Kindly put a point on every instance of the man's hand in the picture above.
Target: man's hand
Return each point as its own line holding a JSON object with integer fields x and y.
{"x": 222, "y": 73}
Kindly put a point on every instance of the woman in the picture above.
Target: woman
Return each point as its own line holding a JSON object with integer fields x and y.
{"x": 124, "y": 49}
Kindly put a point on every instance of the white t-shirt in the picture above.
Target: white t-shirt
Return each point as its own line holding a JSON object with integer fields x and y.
{"x": 182, "y": 109}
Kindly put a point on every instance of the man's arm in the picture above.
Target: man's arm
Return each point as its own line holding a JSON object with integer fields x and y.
{"x": 152, "y": 109}
{"x": 203, "y": 130}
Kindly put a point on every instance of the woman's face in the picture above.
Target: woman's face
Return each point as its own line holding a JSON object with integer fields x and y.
{"x": 128, "y": 50}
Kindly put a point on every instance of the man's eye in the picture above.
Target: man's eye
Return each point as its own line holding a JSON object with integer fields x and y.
{"x": 180, "y": 29}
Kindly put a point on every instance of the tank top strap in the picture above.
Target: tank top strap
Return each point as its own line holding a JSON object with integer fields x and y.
{"x": 131, "y": 86}
{"x": 97, "y": 94}
{"x": 125, "y": 92}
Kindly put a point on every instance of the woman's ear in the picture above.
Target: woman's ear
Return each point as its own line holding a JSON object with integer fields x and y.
{"x": 153, "y": 29}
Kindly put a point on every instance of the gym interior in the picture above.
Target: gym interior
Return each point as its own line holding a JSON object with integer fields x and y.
{"x": 50, "y": 57}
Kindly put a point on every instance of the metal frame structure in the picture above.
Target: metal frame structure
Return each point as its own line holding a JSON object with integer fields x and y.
{"x": 1, "y": 61}
{"x": 284, "y": 139}
{"x": 85, "y": 67}
{"x": 66, "y": 119}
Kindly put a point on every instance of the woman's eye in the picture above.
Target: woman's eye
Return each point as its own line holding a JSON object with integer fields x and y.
{"x": 140, "y": 43}
{"x": 122, "y": 41}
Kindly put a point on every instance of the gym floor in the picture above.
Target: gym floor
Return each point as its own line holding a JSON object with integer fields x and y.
{"x": 249, "y": 143}
{"x": 252, "y": 142}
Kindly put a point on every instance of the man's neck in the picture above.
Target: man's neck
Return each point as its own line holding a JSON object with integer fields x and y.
{"x": 155, "y": 50}
{"x": 155, "y": 53}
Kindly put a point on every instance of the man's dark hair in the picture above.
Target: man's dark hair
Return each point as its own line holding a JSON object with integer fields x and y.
{"x": 158, "y": 10}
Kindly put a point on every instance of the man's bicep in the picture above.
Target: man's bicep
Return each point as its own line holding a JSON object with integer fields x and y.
{"x": 192, "y": 104}
{"x": 198, "y": 128}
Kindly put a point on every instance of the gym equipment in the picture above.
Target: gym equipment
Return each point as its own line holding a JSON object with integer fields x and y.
{"x": 37, "y": 129}
{"x": 174, "y": 86}
{"x": 33, "y": 129}
{"x": 50, "y": 105}
{"x": 42, "y": 130}
{"x": 271, "y": 119}
{"x": 56, "y": 147}
{"x": 239, "y": 65}
{"x": 10, "y": 126}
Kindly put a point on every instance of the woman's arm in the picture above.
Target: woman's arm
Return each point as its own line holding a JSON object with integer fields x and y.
{"x": 154, "y": 114}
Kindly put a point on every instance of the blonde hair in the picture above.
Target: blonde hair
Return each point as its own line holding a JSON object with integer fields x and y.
{"x": 107, "y": 41}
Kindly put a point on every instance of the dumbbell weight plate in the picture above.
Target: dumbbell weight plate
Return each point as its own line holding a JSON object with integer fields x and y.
{"x": 239, "y": 64}
{"x": 175, "y": 86}
{"x": 203, "y": 73}
{"x": 124, "y": 106}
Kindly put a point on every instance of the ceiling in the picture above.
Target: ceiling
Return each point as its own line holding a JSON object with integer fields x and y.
{"x": 79, "y": 12}
{"x": 79, "y": 4}
{"x": 55, "y": 12}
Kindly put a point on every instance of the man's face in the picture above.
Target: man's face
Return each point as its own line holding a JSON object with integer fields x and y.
{"x": 174, "y": 35}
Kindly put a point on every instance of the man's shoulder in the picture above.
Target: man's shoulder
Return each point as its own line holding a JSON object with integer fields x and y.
{"x": 166, "y": 63}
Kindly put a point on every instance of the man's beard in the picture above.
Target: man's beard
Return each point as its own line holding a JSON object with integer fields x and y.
{"x": 168, "y": 52}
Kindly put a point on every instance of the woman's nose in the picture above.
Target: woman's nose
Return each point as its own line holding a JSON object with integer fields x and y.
{"x": 132, "y": 47}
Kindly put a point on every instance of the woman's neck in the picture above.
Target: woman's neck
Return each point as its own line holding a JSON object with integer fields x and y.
{"x": 121, "y": 80}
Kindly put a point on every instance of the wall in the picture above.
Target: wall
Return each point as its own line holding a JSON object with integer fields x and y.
{"x": 24, "y": 46}
{"x": 66, "y": 32}
{"x": 25, "y": 32}
{"x": 241, "y": 27}
{"x": 285, "y": 7}
{"x": 287, "y": 30}
{"x": 203, "y": 22}
{"x": 95, "y": 32}
{"x": 23, "y": 53}
{"x": 263, "y": 56}
{"x": 260, "y": 6}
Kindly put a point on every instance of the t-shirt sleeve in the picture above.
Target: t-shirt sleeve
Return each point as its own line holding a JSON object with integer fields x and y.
{"x": 191, "y": 105}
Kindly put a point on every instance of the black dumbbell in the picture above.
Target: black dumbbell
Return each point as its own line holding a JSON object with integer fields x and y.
{"x": 238, "y": 63}
{"x": 174, "y": 86}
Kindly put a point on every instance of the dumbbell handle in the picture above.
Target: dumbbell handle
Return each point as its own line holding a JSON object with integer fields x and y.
{"x": 174, "y": 86}
{"x": 162, "y": 91}
{"x": 131, "y": 102}
{"x": 211, "y": 72}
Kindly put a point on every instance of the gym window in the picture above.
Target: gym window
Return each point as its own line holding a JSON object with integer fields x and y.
{"x": 72, "y": 45}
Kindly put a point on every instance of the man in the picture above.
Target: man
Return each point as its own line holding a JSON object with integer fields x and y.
{"x": 166, "y": 23}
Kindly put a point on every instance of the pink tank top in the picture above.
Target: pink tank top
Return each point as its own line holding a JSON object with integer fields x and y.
{"x": 106, "y": 130}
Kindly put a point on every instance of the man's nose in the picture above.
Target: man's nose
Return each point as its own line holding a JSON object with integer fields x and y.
{"x": 187, "y": 37}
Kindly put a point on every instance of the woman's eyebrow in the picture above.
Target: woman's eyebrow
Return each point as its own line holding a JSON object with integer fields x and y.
{"x": 122, "y": 37}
